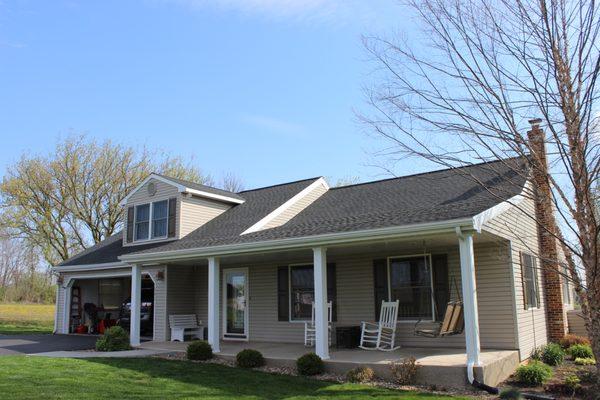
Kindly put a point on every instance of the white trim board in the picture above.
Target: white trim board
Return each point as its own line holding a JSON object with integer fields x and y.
{"x": 90, "y": 267}
{"x": 181, "y": 189}
{"x": 285, "y": 206}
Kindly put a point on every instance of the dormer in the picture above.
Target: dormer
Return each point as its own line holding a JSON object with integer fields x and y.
{"x": 162, "y": 208}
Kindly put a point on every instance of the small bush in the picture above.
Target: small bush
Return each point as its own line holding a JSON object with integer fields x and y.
{"x": 573, "y": 382}
{"x": 535, "y": 373}
{"x": 360, "y": 375}
{"x": 536, "y": 354}
{"x": 199, "y": 350}
{"x": 570, "y": 340}
{"x": 553, "y": 354}
{"x": 115, "y": 338}
{"x": 580, "y": 351}
{"x": 310, "y": 364}
{"x": 511, "y": 394}
{"x": 249, "y": 358}
{"x": 405, "y": 372}
{"x": 585, "y": 361}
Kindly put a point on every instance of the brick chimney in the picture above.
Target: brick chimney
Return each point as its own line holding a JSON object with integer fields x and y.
{"x": 548, "y": 246}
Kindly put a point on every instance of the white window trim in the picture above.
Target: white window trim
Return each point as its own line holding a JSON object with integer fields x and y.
{"x": 389, "y": 294}
{"x": 290, "y": 266}
{"x": 150, "y": 224}
{"x": 536, "y": 278}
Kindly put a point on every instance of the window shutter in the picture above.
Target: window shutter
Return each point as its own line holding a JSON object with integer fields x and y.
{"x": 130, "y": 224}
{"x": 172, "y": 217}
{"x": 441, "y": 284}
{"x": 380, "y": 280}
{"x": 283, "y": 294}
{"x": 332, "y": 290}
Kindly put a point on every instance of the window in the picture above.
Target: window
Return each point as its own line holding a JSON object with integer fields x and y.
{"x": 158, "y": 214}
{"x": 530, "y": 281}
{"x": 566, "y": 288}
{"x": 302, "y": 292}
{"x": 110, "y": 293}
{"x": 410, "y": 282}
{"x": 142, "y": 221}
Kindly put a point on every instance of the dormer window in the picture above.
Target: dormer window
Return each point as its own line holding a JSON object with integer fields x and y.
{"x": 151, "y": 220}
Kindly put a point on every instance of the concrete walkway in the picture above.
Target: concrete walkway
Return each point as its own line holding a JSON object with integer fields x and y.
{"x": 102, "y": 354}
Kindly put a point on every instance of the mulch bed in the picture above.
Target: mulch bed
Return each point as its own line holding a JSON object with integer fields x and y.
{"x": 555, "y": 386}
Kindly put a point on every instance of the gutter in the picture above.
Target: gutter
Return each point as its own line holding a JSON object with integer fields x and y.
{"x": 303, "y": 242}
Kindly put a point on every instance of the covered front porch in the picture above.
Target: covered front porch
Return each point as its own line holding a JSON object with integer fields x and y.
{"x": 243, "y": 301}
{"x": 444, "y": 367}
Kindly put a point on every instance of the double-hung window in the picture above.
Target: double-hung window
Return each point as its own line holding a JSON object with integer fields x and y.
{"x": 530, "y": 281}
{"x": 410, "y": 282}
{"x": 566, "y": 287}
{"x": 302, "y": 292}
{"x": 151, "y": 220}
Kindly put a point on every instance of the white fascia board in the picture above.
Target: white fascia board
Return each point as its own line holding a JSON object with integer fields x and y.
{"x": 89, "y": 267}
{"x": 279, "y": 210}
{"x": 181, "y": 189}
{"x": 485, "y": 216}
{"x": 209, "y": 195}
{"x": 369, "y": 235}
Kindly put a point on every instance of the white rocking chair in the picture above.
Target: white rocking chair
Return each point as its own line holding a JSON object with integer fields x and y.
{"x": 381, "y": 335}
{"x": 310, "y": 330}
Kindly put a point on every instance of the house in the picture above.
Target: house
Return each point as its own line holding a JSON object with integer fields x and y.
{"x": 250, "y": 264}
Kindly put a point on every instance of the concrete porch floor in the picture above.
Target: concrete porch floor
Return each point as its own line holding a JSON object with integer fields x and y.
{"x": 443, "y": 367}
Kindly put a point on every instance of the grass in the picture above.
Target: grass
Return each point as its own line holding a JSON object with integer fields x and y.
{"x": 26, "y": 377}
{"x": 17, "y": 318}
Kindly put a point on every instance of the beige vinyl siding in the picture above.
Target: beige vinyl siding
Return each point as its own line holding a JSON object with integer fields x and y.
{"x": 576, "y": 323}
{"x": 195, "y": 212}
{"x": 296, "y": 207}
{"x": 517, "y": 226}
{"x": 164, "y": 191}
{"x": 355, "y": 299}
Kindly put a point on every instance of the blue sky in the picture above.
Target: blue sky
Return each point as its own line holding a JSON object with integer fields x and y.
{"x": 262, "y": 88}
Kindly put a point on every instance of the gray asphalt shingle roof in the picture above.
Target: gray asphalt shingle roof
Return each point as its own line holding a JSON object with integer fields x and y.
{"x": 434, "y": 196}
{"x": 204, "y": 188}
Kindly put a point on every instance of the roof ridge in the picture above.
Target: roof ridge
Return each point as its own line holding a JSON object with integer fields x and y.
{"x": 427, "y": 172}
{"x": 280, "y": 184}
{"x": 186, "y": 181}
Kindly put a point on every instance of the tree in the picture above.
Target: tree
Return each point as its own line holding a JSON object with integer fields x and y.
{"x": 232, "y": 183}
{"x": 64, "y": 202}
{"x": 466, "y": 94}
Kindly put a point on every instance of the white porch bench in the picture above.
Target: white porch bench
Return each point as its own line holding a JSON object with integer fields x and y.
{"x": 182, "y": 324}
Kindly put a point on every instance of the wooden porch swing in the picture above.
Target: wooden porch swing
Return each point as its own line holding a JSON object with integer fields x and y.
{"x": 453, "y": 322}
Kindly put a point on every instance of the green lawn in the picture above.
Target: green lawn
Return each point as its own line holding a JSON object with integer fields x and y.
{"x": 26, "y": 377}
{"x": 18, "y": 318}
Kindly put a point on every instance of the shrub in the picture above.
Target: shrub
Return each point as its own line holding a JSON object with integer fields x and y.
{"x": 405, "y": 372}
{"x": 569, "y": 340}
{"x": 360, "y": 375}
{"x": 535, "y": 373}
{"x": 511, "y": 394}
{"x": 115, "y": 338}
{"x": 199, "y": 350}
{"x": 310, "y": 364}
{"x": 553, "y": 354}
{"x": 249, "y": 358}
{"x": 581, "y": 351}
{"x": 536, "y": 354}
{"x": 585, "y": 361}
{"x": 573, "y": 382}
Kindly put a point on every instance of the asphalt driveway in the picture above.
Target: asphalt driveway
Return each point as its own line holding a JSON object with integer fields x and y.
{"x": 33, "y": 344}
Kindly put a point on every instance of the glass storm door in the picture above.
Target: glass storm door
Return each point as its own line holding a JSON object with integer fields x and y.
{"x": 236, "y": 304}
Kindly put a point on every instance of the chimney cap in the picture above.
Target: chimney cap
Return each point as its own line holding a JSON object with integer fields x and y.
{"x": 535, "y": 121}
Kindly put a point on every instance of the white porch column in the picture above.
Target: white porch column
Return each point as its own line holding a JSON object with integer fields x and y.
{"x": 67, "y": 305}
{"x": 213, "y": 303}
{"x": 136, "y": 304}
{"x": 321, "y": 317}
{"x": 469, "y": 290}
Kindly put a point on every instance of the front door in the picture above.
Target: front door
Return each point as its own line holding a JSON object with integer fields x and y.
{"x": 235, "y": 302}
